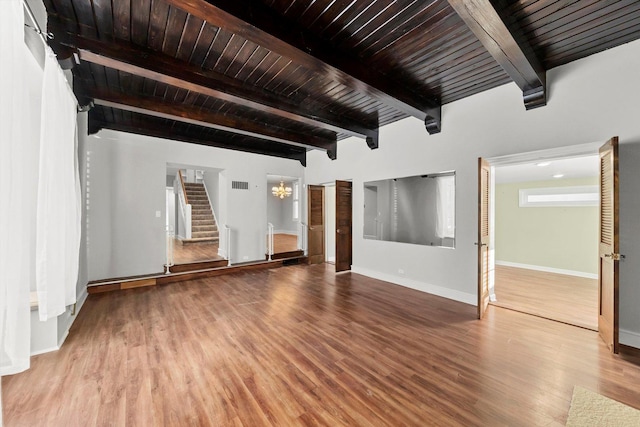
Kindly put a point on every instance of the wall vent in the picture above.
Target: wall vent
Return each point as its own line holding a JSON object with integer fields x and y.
{"x": 239, "y": 185}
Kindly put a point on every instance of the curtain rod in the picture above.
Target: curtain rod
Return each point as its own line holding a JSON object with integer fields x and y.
{"x": 36, "y": 27}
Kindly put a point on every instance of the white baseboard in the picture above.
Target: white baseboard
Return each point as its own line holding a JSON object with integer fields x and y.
{"x": 68, "y": 319}
{"x": 632, "y": 339}
{"x": 331, "y": 259}
{"x": 440, "y": 291}
{"x": 82, "y": 298}
{"x": 548, "y": 269}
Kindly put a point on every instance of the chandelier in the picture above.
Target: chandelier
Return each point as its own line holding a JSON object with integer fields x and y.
{"x": 281, "y": 191}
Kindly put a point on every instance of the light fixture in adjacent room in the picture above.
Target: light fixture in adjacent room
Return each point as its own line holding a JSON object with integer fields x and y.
{"x": 543, "y": 164}
{"x": 281, "y": 191}
{"x": 558, "y": 175}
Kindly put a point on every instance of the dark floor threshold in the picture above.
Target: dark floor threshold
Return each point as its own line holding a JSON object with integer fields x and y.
{"x": 290, "y": 254}
{"x": 198, "y": 265}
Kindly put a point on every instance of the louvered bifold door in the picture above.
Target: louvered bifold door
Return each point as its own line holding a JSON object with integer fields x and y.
{"x": 484, "y": 173}
{"x": 609, "y": 250}
{"x": 315, "y": 236}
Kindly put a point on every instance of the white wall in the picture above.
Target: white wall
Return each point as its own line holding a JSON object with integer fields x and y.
{"x": 212, "y": 182}
{"x": 128, "y": 186}
{"x": 589, "y": 100}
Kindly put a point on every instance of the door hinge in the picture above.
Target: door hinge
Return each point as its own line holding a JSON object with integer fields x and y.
{"x": 615, "y": 257}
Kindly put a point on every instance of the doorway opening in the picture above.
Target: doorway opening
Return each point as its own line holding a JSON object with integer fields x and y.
{"x": 193, "y": 207}
{"x": 330, "y": 225}
{"x": 544, "y": 225}
{"x": 284, "y": 221}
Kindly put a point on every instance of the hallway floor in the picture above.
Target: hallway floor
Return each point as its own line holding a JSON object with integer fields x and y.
{"x": 567, "y": 299}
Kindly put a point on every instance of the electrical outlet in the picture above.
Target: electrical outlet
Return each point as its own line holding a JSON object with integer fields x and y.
{"x": 158, "y": 214}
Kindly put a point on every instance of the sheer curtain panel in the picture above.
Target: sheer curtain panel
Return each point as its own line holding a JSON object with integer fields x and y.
{"x": 15, "y": 162}
{"x": 58, "y": 215}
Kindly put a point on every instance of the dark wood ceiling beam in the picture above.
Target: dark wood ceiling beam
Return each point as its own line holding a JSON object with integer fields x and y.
{"x": 255, "y": 21}
{"x": 146, "y": 63}
{"x": 507, "y": 46}
{"x": 248, "y": 145}
{"x": 196, "y": 116}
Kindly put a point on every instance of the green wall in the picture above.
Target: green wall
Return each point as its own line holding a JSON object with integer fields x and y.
{"x": 563, "y": 237}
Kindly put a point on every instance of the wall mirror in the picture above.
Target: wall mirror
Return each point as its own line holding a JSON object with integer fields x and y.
{"x": 416, "y": 209}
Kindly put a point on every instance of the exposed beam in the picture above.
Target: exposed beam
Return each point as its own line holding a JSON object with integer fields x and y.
{"x": 196, "y": 116}
{"x": 508, "y": 47}
{"x": 147, "y": 127}
{"x": 255, "y": 21}
{"x": 163, "y": 68}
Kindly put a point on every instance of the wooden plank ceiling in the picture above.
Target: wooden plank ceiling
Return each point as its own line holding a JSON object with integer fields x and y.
{"x": 280, "y": 77}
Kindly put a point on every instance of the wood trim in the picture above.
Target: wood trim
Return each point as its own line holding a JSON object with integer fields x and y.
{"x": 110, "y": 285}
{"x": 138, "y": 283}
{"x": 290, "y": 254}
{"x": 197, "y": 265}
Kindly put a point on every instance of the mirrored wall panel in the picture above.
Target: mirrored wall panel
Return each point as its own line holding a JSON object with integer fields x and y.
{"x": 416, "y": 209}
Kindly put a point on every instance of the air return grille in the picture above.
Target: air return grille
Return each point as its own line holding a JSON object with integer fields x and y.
{"x": 239, "y": 185}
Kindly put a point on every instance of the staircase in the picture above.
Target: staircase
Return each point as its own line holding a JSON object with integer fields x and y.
{"x": 204, "y": 229}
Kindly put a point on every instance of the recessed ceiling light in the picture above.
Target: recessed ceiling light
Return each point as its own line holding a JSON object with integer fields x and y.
{"x": 558, "y": 175}
{"x": 542, "y": 164}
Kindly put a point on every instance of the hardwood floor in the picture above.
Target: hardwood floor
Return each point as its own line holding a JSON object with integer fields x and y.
{"x": 284, "y": 243}
{"x": 568, "y": 299}
{"x": 301, "y": 346}
{"x": 184, "y": 254}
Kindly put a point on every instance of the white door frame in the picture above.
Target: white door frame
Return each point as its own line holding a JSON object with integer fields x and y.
{"x": 565, "y": 152}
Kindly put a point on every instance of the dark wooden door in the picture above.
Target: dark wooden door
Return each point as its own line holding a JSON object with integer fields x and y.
{"x": 343, "y": 225}
{"x": 484, "y": 173}
{"x": 609, "y": 246}
{"x": 315, "y": 236}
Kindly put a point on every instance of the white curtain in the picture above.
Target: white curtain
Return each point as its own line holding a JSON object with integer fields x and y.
{"x": 59, "y": 203}
{"x": 15, "y": 273}
{"x": 445, "y": 206}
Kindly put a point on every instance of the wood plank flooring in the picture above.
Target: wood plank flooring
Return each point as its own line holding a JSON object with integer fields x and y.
{"x": 301, "y": 346}
{"x": 568, "y": 299}
{"x": 184, "y": 254}
{"x": 284, "y": 243}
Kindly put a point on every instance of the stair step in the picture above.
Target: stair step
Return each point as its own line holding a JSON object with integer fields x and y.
{"x": 207, "y": 227}
{"x": 200, "y": 241}
{"x": 202, "y": 234}
{"x": 202, "y": 217}
{"x": 208, "y": 220}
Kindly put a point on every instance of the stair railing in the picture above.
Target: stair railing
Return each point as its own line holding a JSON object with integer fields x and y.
{"x": 185, "y": 207}
{"x": 227, "y": 233}
{"x": 303, "y": 236}
{"x": 270, "y": 240}
{"x": 170, "y": 236}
